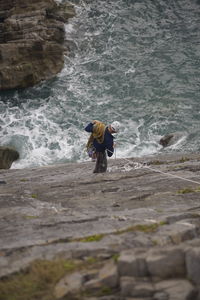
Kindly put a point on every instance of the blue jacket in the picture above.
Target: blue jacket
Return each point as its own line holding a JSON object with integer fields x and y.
{"x": 107, "y": 143}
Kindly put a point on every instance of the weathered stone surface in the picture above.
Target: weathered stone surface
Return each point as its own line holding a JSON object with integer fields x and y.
{"x": 178, "y": 289}
{"x": 160, "y": 296}
{"x": 138, "y": 298}
{"x": 93, "y": 284}
{"x": 66, "y": 211}
{"x": 176, "y": 233}
{"x": 132, "y": 264}
{"x": 131, "y": 287}
{"x": 193, "y": 264}
{"x": 7, "y": 157}
{"x": 31, "y": 41}
{"x": 108, "y": 275}
{"x": 110, "y": 297}
{"x": 166, "y": 263}
{"x": 179, "y": 217}
{"x": 62, "y": 12}
{"x": 70, "y": 284}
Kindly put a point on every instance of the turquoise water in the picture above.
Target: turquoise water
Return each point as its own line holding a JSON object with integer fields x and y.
{"x": 137, "y": 62}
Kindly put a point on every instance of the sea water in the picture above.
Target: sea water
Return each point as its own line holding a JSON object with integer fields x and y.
{"x": 137, "y": 62}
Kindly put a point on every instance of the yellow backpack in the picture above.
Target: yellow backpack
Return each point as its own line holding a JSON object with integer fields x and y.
{"x": 98, "y": 134}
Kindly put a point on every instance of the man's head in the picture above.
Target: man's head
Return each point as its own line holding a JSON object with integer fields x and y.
{"x": 114, "y": 126}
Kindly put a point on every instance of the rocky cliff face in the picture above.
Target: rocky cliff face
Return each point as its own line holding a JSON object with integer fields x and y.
{"x": 130, "y": 233}
{"x": 31, "y": 41}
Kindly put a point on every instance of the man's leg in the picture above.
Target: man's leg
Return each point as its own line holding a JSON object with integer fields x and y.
{"x": 96, "y": 169}
{"x": 101, "y": 163}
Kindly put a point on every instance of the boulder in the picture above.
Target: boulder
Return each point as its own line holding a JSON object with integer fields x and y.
{"x": 68, "y": 285}
{"x": 170, "y": 139}
{"x": 131, "y": 263}
{"x": 31, "y": 41}
{"x": 193, "y": 264}
{"x": 177, "y": 289}
{"x": 131, "y": 287}
{"x": 7, "y": 156}
{"x": 108, "y": 275}
{"x": 176, "y": 233}
{"x": 166, "y": 263}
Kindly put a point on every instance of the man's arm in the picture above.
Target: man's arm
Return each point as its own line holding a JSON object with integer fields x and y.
{"x": 109, "y": 146}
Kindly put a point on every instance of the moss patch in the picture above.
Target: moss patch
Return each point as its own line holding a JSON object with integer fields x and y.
{"x": 184, "y": 159}
{"x": 146, "y": 228}
{"x": 103, "y": 291}
{"x": 92, "y": 260}
{"x": 91, "y": 238}
{"x": 185, "y": 191}
{"x": 115, "y": 257}
{"x": 39, "y": 280}
{"x": 189, "y": 190}
{"x": 157, "y": 162}
{"x": 24, "y": 180}
{"x": 34, "y": 196}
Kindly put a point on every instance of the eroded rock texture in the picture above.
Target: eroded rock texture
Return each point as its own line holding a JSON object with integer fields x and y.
{"x": 132, "y": 233}
{"x": 31, "y": 41}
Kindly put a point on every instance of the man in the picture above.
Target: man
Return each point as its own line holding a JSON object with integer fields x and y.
{"x": 100, "y": 142}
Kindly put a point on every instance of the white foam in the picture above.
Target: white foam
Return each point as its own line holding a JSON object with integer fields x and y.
{"x": 99, "y": 81}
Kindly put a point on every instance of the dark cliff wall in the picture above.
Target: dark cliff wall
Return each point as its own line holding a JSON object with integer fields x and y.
{"x": 31, "y": 41}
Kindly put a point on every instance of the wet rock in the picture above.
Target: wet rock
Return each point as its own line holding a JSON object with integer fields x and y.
{"x": 165, "y": 140}
{"x": 31, "y": 41}
{"x": 170, "y": 139}
{"x": 7, "y": 157}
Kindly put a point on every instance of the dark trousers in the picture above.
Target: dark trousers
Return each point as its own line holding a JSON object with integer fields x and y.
{"x": 101, "y": 162}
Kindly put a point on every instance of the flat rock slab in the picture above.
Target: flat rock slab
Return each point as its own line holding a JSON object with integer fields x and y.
{"x": 44, "y": 211}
